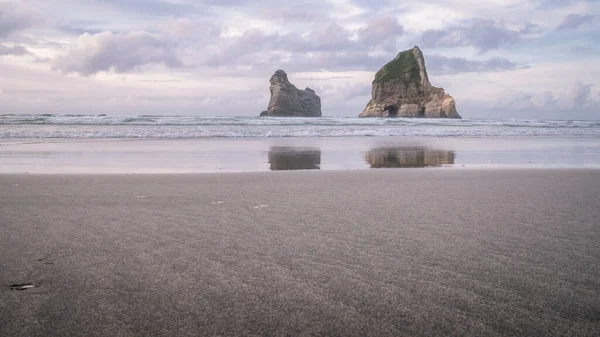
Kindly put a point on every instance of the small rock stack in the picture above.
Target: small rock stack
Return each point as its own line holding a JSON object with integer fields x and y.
{"x": 287, "y": 100}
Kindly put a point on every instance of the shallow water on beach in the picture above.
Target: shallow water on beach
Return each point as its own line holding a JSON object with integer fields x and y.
{"x": 277, "y": 154}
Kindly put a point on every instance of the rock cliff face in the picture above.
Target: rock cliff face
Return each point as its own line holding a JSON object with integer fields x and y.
{"x": 402, "y": 89}
{"x": 287, "y": 100}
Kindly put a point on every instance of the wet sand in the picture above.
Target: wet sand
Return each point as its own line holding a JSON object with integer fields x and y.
{"x": 101, "y": 156}
{"x": 391, "y": 252}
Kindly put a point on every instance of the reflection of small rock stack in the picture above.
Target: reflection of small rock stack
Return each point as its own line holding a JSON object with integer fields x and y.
{"x": 291, "y": 158}
{"x": 408, "y": 157}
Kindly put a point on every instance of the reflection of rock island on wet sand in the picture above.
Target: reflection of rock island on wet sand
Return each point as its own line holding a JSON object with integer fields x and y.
{"x": 387, "y": 157}
{"x": 294, "y": 158}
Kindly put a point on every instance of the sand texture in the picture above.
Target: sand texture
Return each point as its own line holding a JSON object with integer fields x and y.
{"x": 404, "y": 252}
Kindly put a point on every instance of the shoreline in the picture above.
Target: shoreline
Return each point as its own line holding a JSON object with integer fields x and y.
{"x": 463, "y": 168}
{"x": 270, "y": 154}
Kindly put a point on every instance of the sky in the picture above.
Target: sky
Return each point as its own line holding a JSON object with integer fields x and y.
{"x": 532, "y": 59}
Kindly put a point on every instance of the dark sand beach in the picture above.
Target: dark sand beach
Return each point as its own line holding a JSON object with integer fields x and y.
{"x": 410, "y": 252}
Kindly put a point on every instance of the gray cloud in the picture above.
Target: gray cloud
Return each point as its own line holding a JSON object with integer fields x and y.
{"x": 551, "y": 4}
{"x": 575, "y": 102}
{"x": 242, "y": 48}
{"x": 519, "y": 100}
{"x": 363, "y": 61}
{"x": 74, "y": 30}
{"x": 257, "y": 64}
{"x": 580, "y": 93}
{"x": 154, "y": 7}
{"x": 383, "y": 30}
{"x": 292, "y": 12}
{"x": 323, "y": 47}
{"x": 116, "y": 52}
{"x": 275, "y": 10}
{"x": 338, "y": 94}
{"x": 530, "y": 28}
{"x": 186, "y": 28}
{"x": 554, "y": 4}
{"x": 574, "y": 21}
{"x": 350, "y": 91}
{"x": 332, "y": 48}
{"x": 453, "y": 65}
{"x": 335, "y": 61}
{"x": 14, "y": 50}
{"x": 483, "y": 34}
{"x": 330, "y": 38}
{"x": 14, "y": 18}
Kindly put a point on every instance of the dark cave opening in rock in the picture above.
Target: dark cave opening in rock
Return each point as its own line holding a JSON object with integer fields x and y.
{"x": 392, "y": 110}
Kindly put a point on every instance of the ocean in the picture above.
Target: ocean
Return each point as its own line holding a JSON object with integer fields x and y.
{"x": 186, "y": 144}
{"x": 186, "y": 127}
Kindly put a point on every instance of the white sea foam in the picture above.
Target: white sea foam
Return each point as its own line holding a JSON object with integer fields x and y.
{"x": 86, "y": 126}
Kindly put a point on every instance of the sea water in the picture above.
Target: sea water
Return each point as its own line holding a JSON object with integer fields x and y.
{"x": 181, "y": 127}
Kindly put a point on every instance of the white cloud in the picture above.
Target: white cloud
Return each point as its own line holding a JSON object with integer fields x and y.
{"x": 107, "y": 51}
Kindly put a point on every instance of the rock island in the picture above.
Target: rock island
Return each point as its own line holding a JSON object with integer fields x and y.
{"x": 287, "y": 100}
{"x": 402, "y": 89}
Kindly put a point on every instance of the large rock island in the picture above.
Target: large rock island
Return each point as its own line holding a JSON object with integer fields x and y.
{"x": 287, "y": 100}
{"x": 402, "y": 89}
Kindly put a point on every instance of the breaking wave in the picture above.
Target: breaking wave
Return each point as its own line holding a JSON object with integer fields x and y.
{"x": 144, "y": 126}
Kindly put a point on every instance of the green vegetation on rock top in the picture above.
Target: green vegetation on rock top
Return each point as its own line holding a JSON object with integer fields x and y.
{"x": 403, "y": 63}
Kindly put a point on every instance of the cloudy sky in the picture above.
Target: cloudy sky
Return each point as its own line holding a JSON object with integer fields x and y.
{"x": 498, "y": 58}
